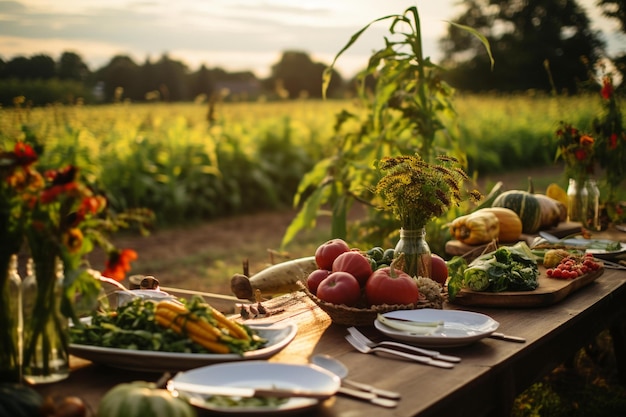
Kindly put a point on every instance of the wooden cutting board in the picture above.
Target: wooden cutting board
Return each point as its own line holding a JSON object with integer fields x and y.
{"x": 456, "y": 248}
{"x": 549, "y": 291}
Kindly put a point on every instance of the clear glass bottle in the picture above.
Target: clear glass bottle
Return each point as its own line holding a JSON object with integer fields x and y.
{"x": 577, "y": 202}
{"x": 11, "y": 326}
{"x": 593, "y": 208}
{"x": 46, "y": 332}
{"x": 417, "y": 256}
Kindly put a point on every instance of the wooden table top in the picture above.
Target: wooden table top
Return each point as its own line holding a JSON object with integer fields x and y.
{"x": 491, "y": 374}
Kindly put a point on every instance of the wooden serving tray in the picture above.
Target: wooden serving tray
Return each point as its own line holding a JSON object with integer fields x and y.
{"x": 549, "y": 291}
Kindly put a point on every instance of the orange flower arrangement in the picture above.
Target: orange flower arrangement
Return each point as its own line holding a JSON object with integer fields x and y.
{"x": 577, "y": 150}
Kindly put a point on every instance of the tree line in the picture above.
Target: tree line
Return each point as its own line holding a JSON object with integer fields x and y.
{"x": 543, "y": 45}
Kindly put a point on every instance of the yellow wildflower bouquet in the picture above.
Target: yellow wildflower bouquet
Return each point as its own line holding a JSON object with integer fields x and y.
{"x": 417, "y": 191}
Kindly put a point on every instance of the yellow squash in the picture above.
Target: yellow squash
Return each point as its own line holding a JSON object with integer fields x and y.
{"x": 476, "y": 228}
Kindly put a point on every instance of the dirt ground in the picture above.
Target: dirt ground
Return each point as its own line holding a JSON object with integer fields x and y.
{"x": 203, "y": 257}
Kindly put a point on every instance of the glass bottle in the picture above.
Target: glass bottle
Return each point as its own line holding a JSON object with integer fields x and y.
{"x": 593, "y": 209}
{"x": 11, "y": 325}
{"x": 46, "y": 333}
{"x": 417, "y": 256}
{"x": 577, "y": 201}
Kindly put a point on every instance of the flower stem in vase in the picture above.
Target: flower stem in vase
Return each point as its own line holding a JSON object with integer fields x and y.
{"x": 417, "y": 255}
{"x": 46, "y": 356}
{"x": 10, "y": 320}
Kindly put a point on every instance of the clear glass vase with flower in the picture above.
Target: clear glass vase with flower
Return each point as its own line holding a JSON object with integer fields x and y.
{"x": 611, "y": 147}
{"x": 17, "y": 176}
{"x": 576, "y": 149}
{"x": 68, "y": 218}
{"x": 416, "y": 192}
{"x": 60, "y": 218}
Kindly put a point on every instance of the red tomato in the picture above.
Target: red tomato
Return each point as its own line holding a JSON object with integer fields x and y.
{"x": 387, "y": 286}
{"x": 340, "y": 288}
{"x": 314, "y": 279}
{"x": 355, "y": 263}
{"x": 327, "y": 252}
{"x": 439, "y": 269}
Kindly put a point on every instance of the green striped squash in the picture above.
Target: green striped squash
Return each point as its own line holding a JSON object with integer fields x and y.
{"x": 18, "y": 400}
{"x": 142, "y": 399}
{"x": 525, "y": 204}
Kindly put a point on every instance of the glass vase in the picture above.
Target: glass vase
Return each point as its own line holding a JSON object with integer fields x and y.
{"x": 593, "y": 208}
{"x": 46, "y": 333}
{"x": 10, "y": 320}
{"x": 577, "y": 201}
{"x": 416, "y": 252}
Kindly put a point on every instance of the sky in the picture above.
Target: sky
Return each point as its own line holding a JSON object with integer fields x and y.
{"x": 235, "y": 35}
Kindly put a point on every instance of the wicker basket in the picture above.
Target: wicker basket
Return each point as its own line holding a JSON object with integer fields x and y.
{"x": 354, "y": 316}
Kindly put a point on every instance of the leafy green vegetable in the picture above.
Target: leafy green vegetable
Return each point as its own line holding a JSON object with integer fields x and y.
{"x": 508, "y": 268}
{"x": 132, "y": 326}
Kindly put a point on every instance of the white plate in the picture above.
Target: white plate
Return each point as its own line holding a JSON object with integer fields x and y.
{"x": 593, "y": 246}
{"x": 143, "y": 360}
{"x": 607, "y": 255}
{"x": 260, "y": 374}
{"x": 459, "y": 327}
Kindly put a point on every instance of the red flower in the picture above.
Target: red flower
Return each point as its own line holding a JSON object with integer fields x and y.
{"x": 580, "y": 154}
{"x": 50, "y": 194}
{"x": 25, "y": 154}
{"x": 118, "y": 264}
{"x": 607, "y": 88}
{"x": 613, "y": 141}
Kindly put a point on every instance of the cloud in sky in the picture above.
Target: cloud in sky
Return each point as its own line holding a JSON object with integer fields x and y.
{"x": 231, "y": 34}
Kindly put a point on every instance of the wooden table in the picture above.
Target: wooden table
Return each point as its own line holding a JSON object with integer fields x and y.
{"x": 491, "y": 374}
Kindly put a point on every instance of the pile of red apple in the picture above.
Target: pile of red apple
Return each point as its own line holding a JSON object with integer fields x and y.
{"x": 345, "y": 276}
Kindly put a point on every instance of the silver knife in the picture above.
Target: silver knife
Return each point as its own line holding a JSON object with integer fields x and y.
{"x": 368, "y": 396}
{"x": 506, "y": 337}
{"x": 246, "y": 392}
{"x": 373, "y": 390}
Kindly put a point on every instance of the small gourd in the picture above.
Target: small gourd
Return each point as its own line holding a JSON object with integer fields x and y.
{"x": 142, "y": 399}
{"x": 476, "y": 228}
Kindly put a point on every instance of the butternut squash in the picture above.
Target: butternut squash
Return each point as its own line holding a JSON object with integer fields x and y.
{"x": 510, "y": 223}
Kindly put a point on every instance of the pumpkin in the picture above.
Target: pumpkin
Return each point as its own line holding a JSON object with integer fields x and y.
{"x": 552, "y": 211}
{"x": 509, "y": 221}
{"x": 142, "y": 399}
{"x": 476, "y": 228}
{"x": 525, "y": 204}
{"x": 18, "y": 400}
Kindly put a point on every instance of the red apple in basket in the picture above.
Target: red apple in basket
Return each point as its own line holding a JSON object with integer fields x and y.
{"x": 327, "y": 252}
{"x": 340, "y": 288}
{"x": 314, "y": 279}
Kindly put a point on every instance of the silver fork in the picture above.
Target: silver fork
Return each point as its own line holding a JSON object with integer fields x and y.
{"x": 391, "y": 344}
{"x": 426, "y": 360}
